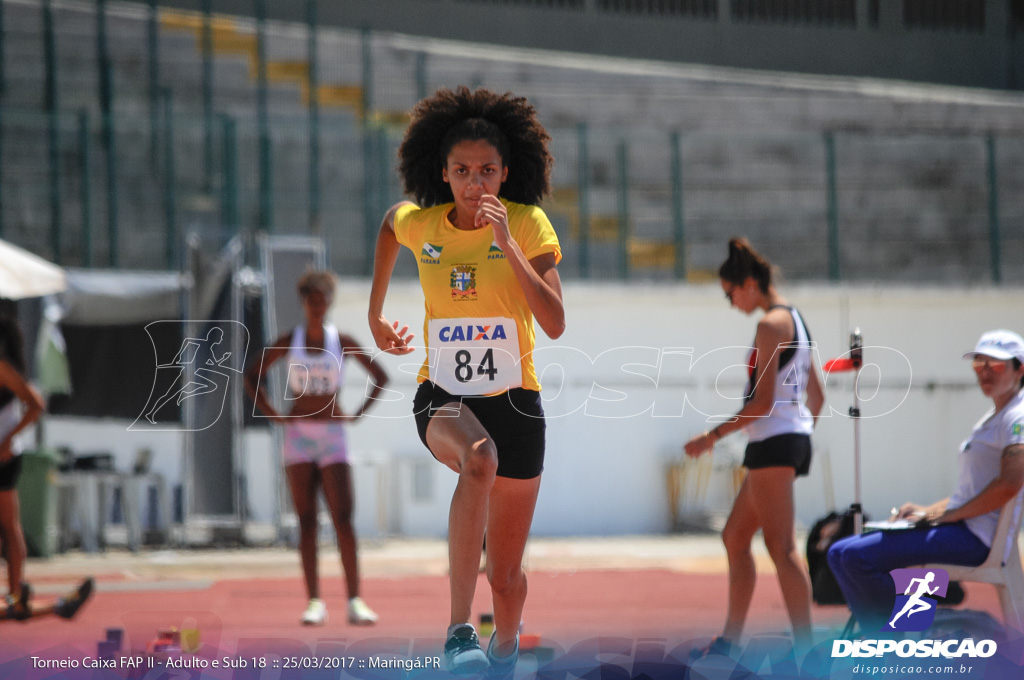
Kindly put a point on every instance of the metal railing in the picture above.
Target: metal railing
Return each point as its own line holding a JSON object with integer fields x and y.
{"x": 838, "y": 13}
{"x": 626, "y": 203}
{"x": 944, "y": 15}
{"x": 118, "y": 182}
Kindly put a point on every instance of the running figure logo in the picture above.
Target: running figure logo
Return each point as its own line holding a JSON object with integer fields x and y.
{"x": 202, "y": 367}
{"x": 915, "y": 609}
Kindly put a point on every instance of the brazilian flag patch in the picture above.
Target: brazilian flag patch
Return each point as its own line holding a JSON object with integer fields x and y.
{"x": 1018, "y": 428}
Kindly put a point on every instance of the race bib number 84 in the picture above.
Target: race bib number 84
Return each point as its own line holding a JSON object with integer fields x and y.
{"x": 474, "y": 356}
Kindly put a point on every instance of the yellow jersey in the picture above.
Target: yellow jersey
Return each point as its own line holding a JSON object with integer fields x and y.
{"x": 473, "y": 301}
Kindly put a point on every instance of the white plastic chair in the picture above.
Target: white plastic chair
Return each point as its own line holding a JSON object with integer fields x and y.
{"x": 1002, "y": 568}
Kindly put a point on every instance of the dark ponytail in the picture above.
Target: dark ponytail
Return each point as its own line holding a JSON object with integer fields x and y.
{"x": 745, "y": 263}
{"x": 12, "y": 350}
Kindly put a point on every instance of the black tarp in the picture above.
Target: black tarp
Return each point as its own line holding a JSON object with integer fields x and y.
{"x": 111, "y": 356}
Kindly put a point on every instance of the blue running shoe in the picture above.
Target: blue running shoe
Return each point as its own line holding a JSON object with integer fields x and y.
{"x": 502, "y": 667}
{"x": 462, "y": 653}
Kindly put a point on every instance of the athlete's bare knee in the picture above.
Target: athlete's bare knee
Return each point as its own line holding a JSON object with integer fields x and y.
{"x": 781, "y": 550}
{"x": 307, "y": 521}
{"x": 481, "y": 461}
{"x": 506, "y": 581}
{"x": 736, "y": 542}
{"x": 342, "y": 515}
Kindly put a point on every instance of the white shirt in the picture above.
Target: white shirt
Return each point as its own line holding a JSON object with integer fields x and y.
{"x": 980, "y": 456}
{"x": 314, "y": 371}
{"x": 789, "y": 414}
{"x": 10, "y": 416}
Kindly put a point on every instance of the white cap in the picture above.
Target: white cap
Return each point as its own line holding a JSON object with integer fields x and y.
{"x": 1003, "y": 345}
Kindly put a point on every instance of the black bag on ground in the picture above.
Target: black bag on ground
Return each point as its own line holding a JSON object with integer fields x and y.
{"x": 825, "y": 532}
{"x": 824, "y": 587}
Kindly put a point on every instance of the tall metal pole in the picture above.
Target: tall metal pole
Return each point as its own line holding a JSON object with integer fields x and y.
{"x": 383, "y": 169}
{"x": 421, "y": 75}
{"x": 313, "y": 85}
{"x": 229, "y": 187}
{"x": 85, "y": 154}
{"x": 834, "y": 271}
{"x": 207, "y": 48}
{"x": 857, "y": 359}
{"x": 994, "y": 237}
{"x": 679, "y": 226}
{"x": 109, "y": 144}
{"x": 583, "y": 198}
{"x": 153, "y": 40}
{"x": 170, "y": 183}
{"x": 3, "y": 64}
{"x": 622, "y": 156}
{"x": 370, "y": 216}
{"x": 266, "y": 184}
{"x": 53, "y": 131}
{"x": 367, "y": 50}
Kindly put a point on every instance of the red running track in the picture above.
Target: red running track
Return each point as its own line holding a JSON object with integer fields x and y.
{"x": 241, "y": 616}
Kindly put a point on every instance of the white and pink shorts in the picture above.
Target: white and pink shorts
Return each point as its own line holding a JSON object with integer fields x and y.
{"x": 322, "y": 442}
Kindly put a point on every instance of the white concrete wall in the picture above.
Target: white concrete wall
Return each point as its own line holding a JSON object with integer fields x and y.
{"x": 611, "y": 433}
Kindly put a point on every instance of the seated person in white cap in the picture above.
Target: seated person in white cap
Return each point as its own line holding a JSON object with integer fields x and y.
{"x": 958, "y": 529}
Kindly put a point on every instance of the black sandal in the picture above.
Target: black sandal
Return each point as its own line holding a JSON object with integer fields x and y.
{"x": 67, "y": 606}
{"x": 20, "y": 608}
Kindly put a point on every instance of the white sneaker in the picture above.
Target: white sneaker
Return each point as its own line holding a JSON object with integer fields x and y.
{"x": 359, "y": 613}
{"x": 315, "y": 614}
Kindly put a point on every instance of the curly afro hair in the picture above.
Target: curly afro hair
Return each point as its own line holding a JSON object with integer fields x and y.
{"x": 448, "y": 117}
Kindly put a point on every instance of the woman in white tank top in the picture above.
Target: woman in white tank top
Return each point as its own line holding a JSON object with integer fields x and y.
{"x": 20, "y": 406}
{"x": 781, "y": 407}
{"x": 315, "y": 447}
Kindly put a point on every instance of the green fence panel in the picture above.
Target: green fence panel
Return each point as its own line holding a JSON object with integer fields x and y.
{"x": 85, "y": 173}
{"x": 994, "y": 232}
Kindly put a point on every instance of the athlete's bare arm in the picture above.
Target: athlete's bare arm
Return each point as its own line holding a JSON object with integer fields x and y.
{"x": 386, "y": 335}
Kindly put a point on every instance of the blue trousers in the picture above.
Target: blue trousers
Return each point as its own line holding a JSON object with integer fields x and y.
{"x": 861, "y": 564}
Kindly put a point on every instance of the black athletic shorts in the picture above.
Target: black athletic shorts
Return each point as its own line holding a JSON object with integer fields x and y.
{"x": 514, "y": 420}
{"x": 9, "y": 473}
{"x": 782, "y": 450}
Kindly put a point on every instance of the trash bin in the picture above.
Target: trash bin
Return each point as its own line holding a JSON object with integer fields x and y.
{"x": 37, "y": 496}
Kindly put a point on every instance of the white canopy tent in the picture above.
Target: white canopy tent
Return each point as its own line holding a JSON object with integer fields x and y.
{"x": 24, "y": 275}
